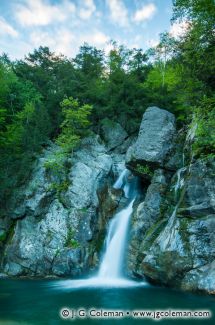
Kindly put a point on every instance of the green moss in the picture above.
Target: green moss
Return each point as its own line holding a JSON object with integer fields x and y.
{"x": 11, "y": 233}
{"x": 183, "y": 231}
{"x": 73, "y": 244}
{"x": 59, "y": 187}
{"x": 100, "y": 241}
{"x": 70, "y": 241}
{"x": 154, "y": 232}
{"x": 83, "y": 210}
{"x": 164, "y": 209}
{"x": 145, "y": 170}
{"x": 3, "y": 237}
{"x": 57, "y": 252}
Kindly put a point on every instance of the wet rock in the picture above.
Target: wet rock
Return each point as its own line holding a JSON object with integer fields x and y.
{"x": 69, "y": 262}
{"x": 109, "y": 201}
{"x": 3, "y": 276}
{"x": 201, "y": 279}
{"x": 118, "y": 164}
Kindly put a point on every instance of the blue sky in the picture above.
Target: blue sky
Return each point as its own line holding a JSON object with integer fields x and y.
{"x": 64, "y": 25}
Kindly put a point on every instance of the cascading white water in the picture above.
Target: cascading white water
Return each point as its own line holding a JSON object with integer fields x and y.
{"x": 111, "y": 266}
{"x": 121, "y": 179}
{"x": 122, "y": 183}
{"x": 110, "y": 272}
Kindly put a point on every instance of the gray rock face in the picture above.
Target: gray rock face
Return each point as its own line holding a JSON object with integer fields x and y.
{"x": 113, "y": 133}
{"x": 202, "y": 279}
{"x": 199, "y": 197}
{"x": 52, "y": 235}
{"x": 147, "y": 213}
{"x": 35, "y": 244}
{"x": 180, "y": 249}
{"x": 68, "y": 261}
{"x": 172, "y": 238}
{"x": 155, "y": 139}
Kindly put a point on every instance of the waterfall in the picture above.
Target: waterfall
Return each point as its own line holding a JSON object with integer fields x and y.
{"x": 110, "y": 272}
{"x": 128, "y": 184}
{"x": 112, "y": 262}
{"x": 122, "y": 182}
{"x": 111, "y": 266}
{"x": 121, "y": 179}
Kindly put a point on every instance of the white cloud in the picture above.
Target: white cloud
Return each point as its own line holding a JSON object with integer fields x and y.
{"x": 6, "y": 28}
{"x": 118, "y": 12}
{"x": 38, "y": 38}
{"x": 87, "y": 9}
{"x": 60, "y": 40}
{"x": 145, "y": 13}
{"x": 179, "y": 29}
{"x": 97, "y": 39}
{"x": 94, "y": 38}
{"x": 41, "y": 12}
{"x": 66, "y": 42}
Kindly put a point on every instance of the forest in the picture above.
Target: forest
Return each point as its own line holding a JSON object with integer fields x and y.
{"x": 49, "y": 97}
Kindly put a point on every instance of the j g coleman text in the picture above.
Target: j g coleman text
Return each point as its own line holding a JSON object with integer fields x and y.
{"x": 71, "y": 314}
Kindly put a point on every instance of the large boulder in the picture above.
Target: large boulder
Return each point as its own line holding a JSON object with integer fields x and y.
{"x": 155, "y": 140}
{"x": 113, "y": 133}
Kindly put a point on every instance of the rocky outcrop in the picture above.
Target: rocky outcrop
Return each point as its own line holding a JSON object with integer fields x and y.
{"x": 56, "y": 224}
{"x": 147, "y": 214}
{"x": 55, "y": 228}
{"x": 174, "y": 245}
{"x": 172, "y": 240}
{"x": 155, "y": 140}
{"x": 112, "y": 133}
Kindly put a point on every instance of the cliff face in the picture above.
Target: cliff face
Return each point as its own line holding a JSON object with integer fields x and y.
{"x": 54, "y": 225}
{"x": 173, "y": 229}
{"x": 59, "y": 229}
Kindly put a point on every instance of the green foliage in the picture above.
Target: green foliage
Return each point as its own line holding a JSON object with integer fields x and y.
{"x": 173, "y": 78}
{"x": 57, "y": 172}
{"x": 37, "y": 94}
{"x": 75, "y": 123}
{"x": 144, "y": 169}
{"x": 59, "y": 187}
{"x": 204, "y": 144}
{"x": 51, "y": 75}
{"x": 24, "y": 128}
{"x": 55, "y": 163}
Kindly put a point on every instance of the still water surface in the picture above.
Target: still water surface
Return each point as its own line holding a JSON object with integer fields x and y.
{"x": 39, "y": 302}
